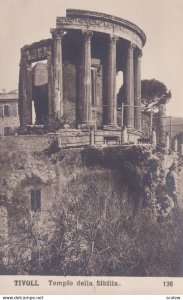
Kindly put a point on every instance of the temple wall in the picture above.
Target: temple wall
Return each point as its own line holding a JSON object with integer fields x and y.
{"x": 69, "y": 93}
{"x": 69, "y": 82}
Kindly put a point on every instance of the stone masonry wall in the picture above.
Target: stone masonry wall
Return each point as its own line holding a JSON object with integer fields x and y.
{"x": 13, "y": 120}
{"x": 25, "y": 143}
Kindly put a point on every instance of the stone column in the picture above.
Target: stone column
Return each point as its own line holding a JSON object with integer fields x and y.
{"x": 111, "y": 100}
{"x": 137, "y": 87}
{"x": 129, "y": 88}
{"x": 86, "y": 116}
{"x": 25, "y": 93}
{"x": 57, "y": 72}
{"x": 50, "y": 83}
{"x": 79, "y": 107}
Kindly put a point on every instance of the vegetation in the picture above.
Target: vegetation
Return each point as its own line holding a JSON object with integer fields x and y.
{"x": 51, "y": 124}
{"x": 96, "y": 236}
{"x": 154, "y": 93}
{"x": 111, "y": 219}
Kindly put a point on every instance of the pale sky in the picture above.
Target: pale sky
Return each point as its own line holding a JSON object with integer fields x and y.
{"x": 26, "y": 21}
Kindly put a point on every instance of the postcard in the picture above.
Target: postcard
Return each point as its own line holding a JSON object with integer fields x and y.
{"x": 91, "y": 147}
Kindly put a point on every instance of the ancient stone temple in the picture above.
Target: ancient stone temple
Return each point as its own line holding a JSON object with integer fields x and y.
{"x": 85, "y": 53}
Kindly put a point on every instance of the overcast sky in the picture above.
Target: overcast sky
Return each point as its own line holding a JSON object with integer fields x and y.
{"x": 26, "y": 21}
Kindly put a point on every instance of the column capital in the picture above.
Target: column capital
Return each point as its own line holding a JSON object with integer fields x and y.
{"x": 87, "y": 34}
{"x": 138, "y": 52}
{"x": 57, "y": 34}
{"x": 48, "y": 53}
{"x": 23, "y": 61}
{"x": 24, "y": 58}
{"x": 28, "y": 67}
{"x": 131, "y": 48}
{"x": 113, "y": 39}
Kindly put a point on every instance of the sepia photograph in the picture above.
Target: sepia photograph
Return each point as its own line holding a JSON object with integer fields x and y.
{"x": 91, "y": 145}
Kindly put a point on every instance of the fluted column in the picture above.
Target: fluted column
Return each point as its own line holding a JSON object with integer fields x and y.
{"x": 50, "y": 83}
{"x": 137, "y": 85}
{"x": 111, "y": 100}
{"x": 57, "y": 72}
{"x": 25, "y": 93}
{"x": 129, "y": 88}
{"x": 79, "y": 106}
{"x": 86, "y": 104}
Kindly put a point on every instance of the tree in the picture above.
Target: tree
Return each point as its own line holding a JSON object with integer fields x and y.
{"x": 154, "y": 93}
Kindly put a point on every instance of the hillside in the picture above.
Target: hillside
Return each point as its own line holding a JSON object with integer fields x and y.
{"x": 101, "y": 211}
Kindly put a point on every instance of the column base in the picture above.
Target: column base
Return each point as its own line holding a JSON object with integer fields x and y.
{"x": 133, "y": 129}
{"x": 87, "y": 125}
{"x": 130, "y": 127}
{"x": 111, "y": 127}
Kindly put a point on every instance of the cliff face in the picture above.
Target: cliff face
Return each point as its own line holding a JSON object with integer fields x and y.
{"x": 87, "y": 211}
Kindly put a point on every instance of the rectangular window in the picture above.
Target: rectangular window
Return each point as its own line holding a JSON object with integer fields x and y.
{"x": 7, "y": 130}
{"x": 7, "y": 111}
{"x": 35, "y": 200}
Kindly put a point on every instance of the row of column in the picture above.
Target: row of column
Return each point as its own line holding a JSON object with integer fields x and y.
{"x": 85, "y": 93}
{"x": 132, "y": 83}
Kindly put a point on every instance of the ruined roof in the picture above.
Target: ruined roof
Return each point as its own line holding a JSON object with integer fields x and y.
{"x": 106, "y": 17}
{"x": 13, "y": 95}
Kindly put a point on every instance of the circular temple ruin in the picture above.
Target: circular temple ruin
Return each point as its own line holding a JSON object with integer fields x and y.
{"x": 75, "y": 72}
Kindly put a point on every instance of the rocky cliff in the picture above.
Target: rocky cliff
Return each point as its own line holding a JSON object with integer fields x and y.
{"x": 102, "y": 211}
